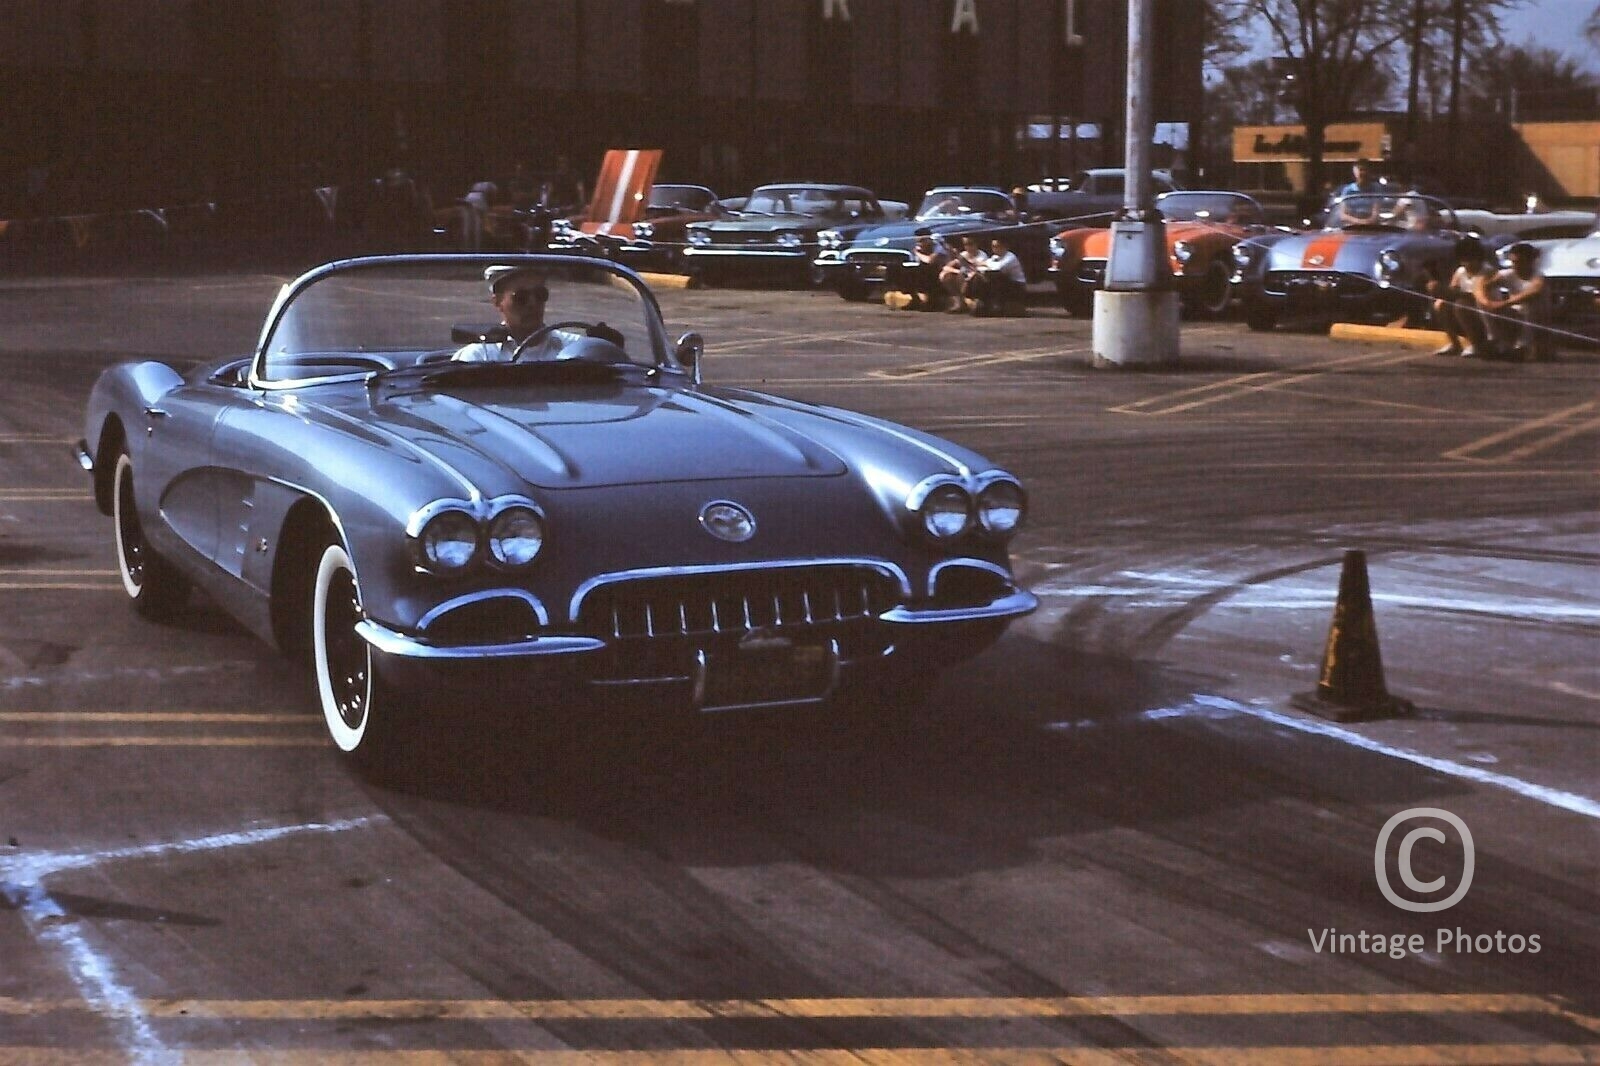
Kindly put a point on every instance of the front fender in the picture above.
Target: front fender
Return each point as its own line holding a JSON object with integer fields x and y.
{"x": 122, "y": 395}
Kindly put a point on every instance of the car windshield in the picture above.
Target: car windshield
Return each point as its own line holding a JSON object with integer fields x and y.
{"x": 1209, "y": 207}
{"x": 784, "y": 200}
{"x": 962, "y": 204}
{"x": 1406, "y": 212}
{"x": 680, "y": 198}
{"x": 387, "y": 313}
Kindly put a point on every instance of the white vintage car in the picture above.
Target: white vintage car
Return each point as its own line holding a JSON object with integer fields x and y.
{"x": 1572, "y": 270}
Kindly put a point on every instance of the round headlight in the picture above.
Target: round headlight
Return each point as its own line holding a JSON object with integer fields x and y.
{"x": 450, "y": 540}
{"x": 1182, "y": 252}
{"x": 947, "y": 512}
{"x": 697, "y": 236}
{"x": 1001, "y": 507}
{"x": 1058, "y": 248}
{"x": 515, "y": 536}
{"x": 830, "y": 238}
{"x": 1388, "y": 261}
{"x": 644, "y": 230}
{"x": 1243, "y": 253}
{"x": 790, "y": 240}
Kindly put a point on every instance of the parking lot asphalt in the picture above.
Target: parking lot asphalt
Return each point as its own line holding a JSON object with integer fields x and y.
{"x": 1114, "y": 838}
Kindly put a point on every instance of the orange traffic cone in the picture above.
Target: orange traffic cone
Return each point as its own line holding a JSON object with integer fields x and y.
{"x": 1351, "y": 685}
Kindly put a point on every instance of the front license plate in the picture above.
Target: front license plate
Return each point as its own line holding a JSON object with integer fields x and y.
{"x": 768, "y": 675}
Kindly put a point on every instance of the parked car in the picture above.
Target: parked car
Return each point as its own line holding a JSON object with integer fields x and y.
{"x": 1371, "y": 262}
{"x": 1539, "y": 225}
{"x": 602, "y": 521}
{"x": 1202, "y": 229}
{"x": 872, "y": 260}
{"x": 1091, "y": 197}
{"x": 1572, "y": 271}
{"x": 776, "y": 231}
{"x": 656, "y": 242}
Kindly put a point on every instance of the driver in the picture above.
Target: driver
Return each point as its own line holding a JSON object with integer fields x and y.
{"x": 519, "y": 294}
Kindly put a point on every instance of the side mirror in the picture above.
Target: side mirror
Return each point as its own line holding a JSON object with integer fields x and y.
{"x": 691, "y": 348}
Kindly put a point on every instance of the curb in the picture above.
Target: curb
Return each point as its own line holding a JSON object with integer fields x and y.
{"x": 1414, "y": 338}
{"x": 670, "y": 281}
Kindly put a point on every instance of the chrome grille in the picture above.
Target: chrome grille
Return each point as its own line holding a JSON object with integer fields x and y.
{"x": 654, "y": 624}
{"x": 877, "y": 258}
{"x": 1318, "y": 281}
{"x": 735, "y": 602}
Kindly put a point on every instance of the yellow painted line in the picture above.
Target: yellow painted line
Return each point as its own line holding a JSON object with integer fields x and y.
{"x": 1308, "y": 370}
{"x": 39, "y": 572}
{"x": 1279, "y": 380}
{"x": 966, "y": 362}
{"x": 1551, "y": 440}
{"x": 43, "y": 494}
{"x": 1340, "y": 1055}
{"x": 1469, "y": 450}
{"x": 980, "y": 1007}
{"x": 1413, "y": 338}
{"x": 71, "y": 586}
{"x": 75, "y": 717}
{"x": 162, "y": 742}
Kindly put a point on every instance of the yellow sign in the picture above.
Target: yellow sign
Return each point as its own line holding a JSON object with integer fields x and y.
{"x": 1343, "y": 142}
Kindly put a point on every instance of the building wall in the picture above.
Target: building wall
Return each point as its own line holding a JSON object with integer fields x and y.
{"x": 113, "y": 103}
{"x": 1565, "y": 158}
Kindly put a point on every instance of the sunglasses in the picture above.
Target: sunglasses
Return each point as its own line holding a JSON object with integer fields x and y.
{"x": 523, "y": 297}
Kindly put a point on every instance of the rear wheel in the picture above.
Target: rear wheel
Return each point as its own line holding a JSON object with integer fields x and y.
{"x": 365, "y": 718}
{"x": 153, "y": 586}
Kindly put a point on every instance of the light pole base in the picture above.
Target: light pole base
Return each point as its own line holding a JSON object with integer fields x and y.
{"x": 1135, "y": 329}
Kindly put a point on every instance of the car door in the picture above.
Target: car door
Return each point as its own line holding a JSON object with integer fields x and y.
{"x": 173, "y": 469}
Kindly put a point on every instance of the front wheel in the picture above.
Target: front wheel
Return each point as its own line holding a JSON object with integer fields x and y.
{"x": 1214, "y": 293}
{"x": 156, "y": 589}
{"x": 364, "y": 717}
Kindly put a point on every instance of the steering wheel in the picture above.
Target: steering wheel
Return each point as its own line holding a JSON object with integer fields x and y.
{"x": 544, "y": 331}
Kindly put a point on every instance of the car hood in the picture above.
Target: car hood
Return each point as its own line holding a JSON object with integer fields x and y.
{"x": 1576, "y": 257}
{"x": 1343, "y": 249}
{"x": 903, "y": 233}
{"x": 1096, "y": 243}
{"x": 767, "y": 223}
{"x": 592, "y": 436}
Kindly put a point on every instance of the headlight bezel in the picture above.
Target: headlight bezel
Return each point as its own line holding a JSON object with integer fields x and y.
{"x": 494, "y": 535}
{"x": 789, "y": 239}
{"x": 483, "y": 515}
{"x": 830, "y": 239}
{"x": 698, "y": 237}
{"x": 1182, "y": 251}
{"x": 430, "y": 536}
{"x": 1389, "y": 263}
{"x": 644, "y": 230}
{"x": 990, "y": 492}
{"x": 971, "y": 488}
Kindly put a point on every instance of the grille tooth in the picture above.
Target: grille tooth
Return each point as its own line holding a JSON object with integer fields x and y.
{"x": 649, "y": 621}
{"x": 805, "y": 603}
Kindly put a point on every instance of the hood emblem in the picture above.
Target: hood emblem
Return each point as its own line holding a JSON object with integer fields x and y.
{"x": 728, "y": 521}
{"x": 1318, "y": 260}
{"x": 883, "y": 242}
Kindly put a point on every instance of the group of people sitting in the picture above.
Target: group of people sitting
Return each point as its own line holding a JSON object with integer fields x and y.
{"x": 967, "y": 279}
{"x": 1488, "y": 312}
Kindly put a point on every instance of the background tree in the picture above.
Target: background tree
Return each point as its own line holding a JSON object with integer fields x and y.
{"x": 1339, "y": 48}
{"x": 1439, "y": 35}
{"x": 1529, "y": 76}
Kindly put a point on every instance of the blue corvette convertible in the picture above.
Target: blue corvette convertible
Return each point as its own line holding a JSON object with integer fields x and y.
{"x": 581, "y": 514}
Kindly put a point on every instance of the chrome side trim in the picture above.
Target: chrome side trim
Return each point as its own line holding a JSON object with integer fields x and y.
{"x": 888, "y": 569}
{"x": 400, "y": 645}
{"x": 486, "y": 594}
{"x": 80, "y": 452}
{"x": 975, "y": 564}
{"x": 735, "y": 250}
{"x": 1013, "y": 604}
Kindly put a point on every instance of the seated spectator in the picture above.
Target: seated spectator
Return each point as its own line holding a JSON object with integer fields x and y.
{"x": 923, "y": 277}
{"x": 1455, "y": 305}
{"x": 955, "y": 274}
{"x": 1516, "y": 303}
{"x": 1000, "y": 284}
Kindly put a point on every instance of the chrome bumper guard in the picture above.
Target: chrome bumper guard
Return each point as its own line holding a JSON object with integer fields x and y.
{"x": 402, "y": 646}
{"x": 80, "y": 452}
{"x": 1012, "y": 604}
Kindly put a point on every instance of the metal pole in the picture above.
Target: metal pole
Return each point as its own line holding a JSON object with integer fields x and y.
{"x": 1140, "y": 124}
